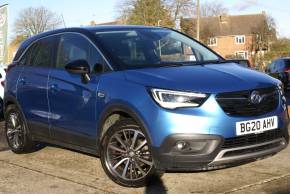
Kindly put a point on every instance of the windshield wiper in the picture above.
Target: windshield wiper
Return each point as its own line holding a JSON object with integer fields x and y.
{"x": 207, "y": 62}
{"x": 179, "y": 64}
{"x": 159, "y": 65}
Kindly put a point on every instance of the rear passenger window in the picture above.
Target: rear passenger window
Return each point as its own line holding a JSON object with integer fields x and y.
{"x": 73, "y": 47}
{"x": 25, "y": 59}
{"x": 42, "y": 53}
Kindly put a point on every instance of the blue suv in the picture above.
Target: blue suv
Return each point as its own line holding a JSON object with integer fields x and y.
{"x": 143, "y": 99}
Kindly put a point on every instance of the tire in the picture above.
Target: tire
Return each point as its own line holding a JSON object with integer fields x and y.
{"x": 127, "y": 162}
{"x": 16, "y": 131}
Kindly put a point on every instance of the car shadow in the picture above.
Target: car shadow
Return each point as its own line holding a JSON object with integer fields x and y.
{"x": 3, "y": 142}
{"x": 155, "y": 185}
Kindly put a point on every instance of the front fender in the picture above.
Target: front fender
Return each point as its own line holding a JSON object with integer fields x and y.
{"x": 123, "y": 107}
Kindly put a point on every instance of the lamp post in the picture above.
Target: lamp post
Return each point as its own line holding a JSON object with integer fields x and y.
{"x": 158, "y": 23}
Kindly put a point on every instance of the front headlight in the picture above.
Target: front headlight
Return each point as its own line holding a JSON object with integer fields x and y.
{"x": 176, "y": 99}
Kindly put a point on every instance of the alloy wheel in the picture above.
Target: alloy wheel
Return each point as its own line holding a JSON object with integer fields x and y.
{"x": 15, "y": 133}
{"x": 128, "y": 155}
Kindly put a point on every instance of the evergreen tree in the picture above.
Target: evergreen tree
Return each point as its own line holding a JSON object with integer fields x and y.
{"x": 149, "y": 12}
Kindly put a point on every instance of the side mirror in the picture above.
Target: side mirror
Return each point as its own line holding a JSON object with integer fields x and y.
{"x": 79, "y": 67}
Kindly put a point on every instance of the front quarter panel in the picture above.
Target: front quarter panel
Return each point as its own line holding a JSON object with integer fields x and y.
{"x": 159, "y": 123}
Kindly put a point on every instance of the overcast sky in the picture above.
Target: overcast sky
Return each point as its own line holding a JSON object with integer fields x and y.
{"x": 78, "y": 13}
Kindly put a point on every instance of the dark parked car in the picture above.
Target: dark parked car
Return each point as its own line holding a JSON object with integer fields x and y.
{"x": 280, "y": 69}
{"x": 144, "y": 99}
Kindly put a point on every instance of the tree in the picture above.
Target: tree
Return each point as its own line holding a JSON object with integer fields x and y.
{"x": 279, "y": 48}
{"x": 264, "y": 35}
{"x": 181, "y": 8}
{"x": 32, "y": 21}
{"x": 188, "y": 25}
{"x": 145, "y": 12}
{"x": 18, "y": 39}
{"x": 214, "y": 8}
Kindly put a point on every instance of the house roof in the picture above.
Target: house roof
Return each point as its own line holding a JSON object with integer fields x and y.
{"x": 226, "y": 25}
{"x": 117, "y": 22}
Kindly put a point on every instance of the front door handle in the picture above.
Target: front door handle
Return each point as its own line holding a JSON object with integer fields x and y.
{"x": 22, "y": 81}
{"x": 54, "y": 88}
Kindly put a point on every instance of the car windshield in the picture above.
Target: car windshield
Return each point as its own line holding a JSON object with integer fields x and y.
{"x": 139, "y": 48}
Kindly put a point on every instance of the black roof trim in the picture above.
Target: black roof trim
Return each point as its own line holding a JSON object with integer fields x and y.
{"x": 82, "y": 30}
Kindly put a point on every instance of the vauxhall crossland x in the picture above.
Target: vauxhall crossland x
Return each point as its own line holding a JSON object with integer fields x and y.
{"x": 144, "y": 99}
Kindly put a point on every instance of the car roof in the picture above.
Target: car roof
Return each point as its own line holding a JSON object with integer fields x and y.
{"x": 83, "y": 30}
{"x": 285, "y": 58}
{"x": 89, "y": 29}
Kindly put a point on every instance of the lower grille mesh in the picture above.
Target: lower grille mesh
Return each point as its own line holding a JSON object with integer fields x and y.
{"x": 252, "y": 139}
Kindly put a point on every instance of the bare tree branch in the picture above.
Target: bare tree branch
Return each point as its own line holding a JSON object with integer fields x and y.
{"x": 33, "y": 21}
{"x": 214, "y": 8}
{"x": 181, "y": 8}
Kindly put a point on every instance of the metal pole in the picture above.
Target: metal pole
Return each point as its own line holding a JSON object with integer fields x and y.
{"x": 158, "y": 23}
{"x": 63, "y": 21}
{"x": 198, "y": 19}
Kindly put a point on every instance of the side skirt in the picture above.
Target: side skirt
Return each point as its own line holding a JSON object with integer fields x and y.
{"x": 91, "y": 151}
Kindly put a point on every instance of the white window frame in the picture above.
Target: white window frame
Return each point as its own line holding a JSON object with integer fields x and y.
{"x": 212, "y": 41}
{"x": 243, "y": 54}
{"x": 1, "y": 51}
{"x": 241, "y": 39}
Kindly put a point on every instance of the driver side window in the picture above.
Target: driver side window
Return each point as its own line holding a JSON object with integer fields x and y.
{"x": 73, "y": 47}
{"x": 170, "y": 49}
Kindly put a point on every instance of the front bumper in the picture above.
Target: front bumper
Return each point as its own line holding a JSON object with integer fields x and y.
{"x": 207, "y": 123}
{"x": 207, "y": 152}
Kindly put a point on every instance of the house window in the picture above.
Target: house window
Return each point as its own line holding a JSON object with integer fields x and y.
{"x": 242, "y": 54}
{"x": 240, "y": 39}
{"x": 212, "y": 41}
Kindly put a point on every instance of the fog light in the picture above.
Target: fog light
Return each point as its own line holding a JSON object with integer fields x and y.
{"x": 181, "y": 145}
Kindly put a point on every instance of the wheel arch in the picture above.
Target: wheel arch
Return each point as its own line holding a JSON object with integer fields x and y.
{"x": 8, "y": 100}
{"x": 123, "y": 111}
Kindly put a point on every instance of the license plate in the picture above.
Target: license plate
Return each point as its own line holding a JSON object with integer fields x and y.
{"x": 256, "y": 126}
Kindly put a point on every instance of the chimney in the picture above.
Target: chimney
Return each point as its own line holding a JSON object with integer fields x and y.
{"x": 223, "y": 18}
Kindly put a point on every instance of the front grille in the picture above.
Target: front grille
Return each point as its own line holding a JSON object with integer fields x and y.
{"x": 252, "y": 139}
{"x": 239, "y": 104}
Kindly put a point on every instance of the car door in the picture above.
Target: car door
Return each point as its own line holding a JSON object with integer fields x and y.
{"x": 32, "y": 85}
{"x": 283, "y": 75}
{"x": 273, "y": 69}
{"x": 73, "y": 102}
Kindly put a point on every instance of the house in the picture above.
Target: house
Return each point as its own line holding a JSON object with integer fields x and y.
{"x": 233, "y": 36}
{"x": 117, "y": 22}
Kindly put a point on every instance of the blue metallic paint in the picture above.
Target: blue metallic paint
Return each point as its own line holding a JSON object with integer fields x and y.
{"x": 72, "y": 105}
{"x": 207, "y": 119}
{"x": 32, "y": 82}
{"x": 74, "y": 108}
{"x": 78, "y": 103}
